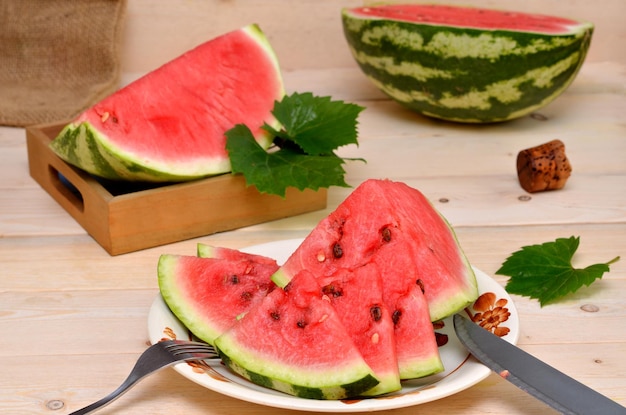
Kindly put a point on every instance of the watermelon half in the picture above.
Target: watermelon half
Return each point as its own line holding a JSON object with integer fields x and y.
{"x": 169, "y": 125}
{"x": 466, "y": 64}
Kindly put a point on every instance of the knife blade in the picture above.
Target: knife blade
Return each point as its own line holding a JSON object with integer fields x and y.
{"x": 530, "y": 374}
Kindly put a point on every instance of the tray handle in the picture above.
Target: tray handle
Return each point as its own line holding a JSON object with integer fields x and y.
{"x": 66, "y": 189}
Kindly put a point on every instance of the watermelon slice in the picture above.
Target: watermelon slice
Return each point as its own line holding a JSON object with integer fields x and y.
{"x": 466, "y": 64}
{"x": 293, "y": 341}
{"x": 357, "y": 298}
{"x": 417, "y": 348}
{"x": 220, "y": 252}
{"x": 208, "y": 294}
{"x": 169, "y": 125}
{"x": 395, "y": 226}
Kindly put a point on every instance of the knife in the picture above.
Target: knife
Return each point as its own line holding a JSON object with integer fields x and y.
{"x": 530, "y": 374}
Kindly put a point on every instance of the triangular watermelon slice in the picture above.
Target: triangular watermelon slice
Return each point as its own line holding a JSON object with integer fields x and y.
{"x": 294, "y": 341}
{"x": 169, "y": 125}
{"x": 357, "y": 297}
{"x": 417, "y": 349}
{"x": 208, "y": 294}
{"x": 220, "y": 252}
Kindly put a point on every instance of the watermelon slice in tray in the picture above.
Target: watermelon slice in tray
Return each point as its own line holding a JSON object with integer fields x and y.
{"x": 169, "y": 124}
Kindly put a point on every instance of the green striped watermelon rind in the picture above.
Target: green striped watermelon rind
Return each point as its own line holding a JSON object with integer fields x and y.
{"x": 83, "y": 146}
{"x": 256, "y": 372}
{"x": 466, "y": 74}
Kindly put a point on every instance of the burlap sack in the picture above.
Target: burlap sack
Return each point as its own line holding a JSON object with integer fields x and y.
{"x": 57, "y": 57}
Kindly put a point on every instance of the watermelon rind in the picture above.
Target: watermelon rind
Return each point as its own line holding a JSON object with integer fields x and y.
{"x": 324, "y": 386}
{"x": 82, "y": 145}
{"x": 465, "y": 74}
{"x": 208, "y": 251}
{"x": 153, "y": 113}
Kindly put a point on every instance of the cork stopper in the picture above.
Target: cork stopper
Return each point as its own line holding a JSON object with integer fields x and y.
{"x": 544, "y": 167}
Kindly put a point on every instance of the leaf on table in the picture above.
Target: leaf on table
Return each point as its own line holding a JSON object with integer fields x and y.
{"x": 545, "y": 272}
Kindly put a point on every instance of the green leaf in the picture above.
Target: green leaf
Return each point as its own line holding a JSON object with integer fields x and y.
{"x": 318, "y": 125}
{"x": 545, "y": 272}
{"x": 303, "y": 156}
{"x": 274, "y": 172}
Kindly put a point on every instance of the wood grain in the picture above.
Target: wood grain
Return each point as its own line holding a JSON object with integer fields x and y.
{"x": 73, "y": 317}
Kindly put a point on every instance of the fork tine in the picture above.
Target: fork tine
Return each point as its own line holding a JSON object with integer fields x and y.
{"x": 195, "y": 351}
{"x": 192, "y": 348}
{"x": 182, "y": 345}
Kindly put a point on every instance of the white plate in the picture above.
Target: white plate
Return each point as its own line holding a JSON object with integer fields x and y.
{"x": 462, "y": 370}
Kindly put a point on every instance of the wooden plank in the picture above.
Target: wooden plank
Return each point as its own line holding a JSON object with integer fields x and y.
{"x": 470, "y": 200}
{"x": 74, "y": 317}
{"x": 80, "y": 263}
{"x": 77, "y": 380}
{"x": 83, "y": 318}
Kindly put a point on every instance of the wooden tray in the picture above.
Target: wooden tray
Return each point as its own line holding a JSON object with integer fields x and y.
{"x": 122, "y": 219}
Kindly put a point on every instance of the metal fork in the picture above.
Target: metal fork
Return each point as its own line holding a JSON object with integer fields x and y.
{"x": 157, "y": 356}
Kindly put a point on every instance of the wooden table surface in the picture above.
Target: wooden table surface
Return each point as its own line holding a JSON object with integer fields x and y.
{"x": 73, "y": 319}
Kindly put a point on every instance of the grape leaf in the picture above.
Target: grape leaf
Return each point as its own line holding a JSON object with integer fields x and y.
{"x": 545, "y": 272}
{"x": 318, "y": 125}
{"x": 303, "y": 153}
{"x": 273, "y": 172}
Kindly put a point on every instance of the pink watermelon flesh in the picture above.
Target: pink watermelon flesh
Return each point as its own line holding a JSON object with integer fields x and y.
{"x": 469, "y": 17}
{"x": 357, "y": 298}
{"x": 294, "y": 341}
{"x": 179, "y": 112}
{"x": 208, "y": 294}
{"x": 391, "y": 219}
